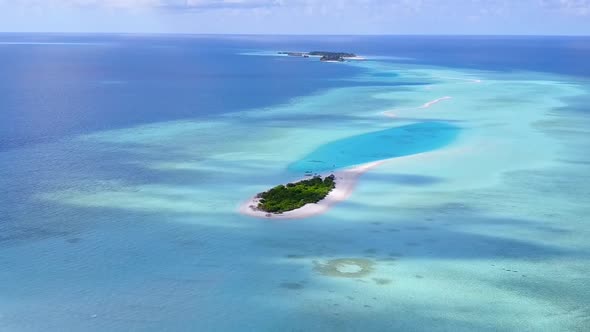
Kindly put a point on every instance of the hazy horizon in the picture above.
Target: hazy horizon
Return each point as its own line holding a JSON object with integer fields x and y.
{"x": 111, "y": 33}
{"x": 299, "y": 17}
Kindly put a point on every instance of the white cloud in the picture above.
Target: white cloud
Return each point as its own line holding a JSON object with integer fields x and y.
{"x": 180, "y": 4}
{"x": 576, "y": 7}
{"x": 310, "y": 16}
{"x": 73, "y": 3}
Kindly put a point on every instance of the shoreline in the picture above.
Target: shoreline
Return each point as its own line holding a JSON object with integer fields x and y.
{"x": 346, "y": 181}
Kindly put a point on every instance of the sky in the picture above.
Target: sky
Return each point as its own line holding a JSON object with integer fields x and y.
{"x": 464, "y": 17}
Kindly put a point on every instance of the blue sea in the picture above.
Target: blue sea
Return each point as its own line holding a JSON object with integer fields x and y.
{"x": 124, "y": 159}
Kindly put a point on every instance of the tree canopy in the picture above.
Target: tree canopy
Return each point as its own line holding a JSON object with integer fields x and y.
{"x": 292, "y": 196}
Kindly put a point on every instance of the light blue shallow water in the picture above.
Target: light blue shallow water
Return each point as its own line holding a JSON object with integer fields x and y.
{"x": 384, "y": 144}
{"x": 123, "y": 162}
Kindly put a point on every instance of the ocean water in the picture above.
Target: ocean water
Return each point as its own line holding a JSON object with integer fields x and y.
{"x": 123, "y": 160}
{"x": 379, "y": 145}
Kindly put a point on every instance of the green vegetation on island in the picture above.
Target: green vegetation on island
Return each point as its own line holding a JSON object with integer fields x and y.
{"x": 325, "y": 56}
{"x": 295, "y": 195}
{"x": 332, "y": 56}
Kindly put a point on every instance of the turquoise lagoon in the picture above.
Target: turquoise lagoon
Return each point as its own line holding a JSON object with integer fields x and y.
{"x": 375, "y": 146}
{"x": 481, "y": 226}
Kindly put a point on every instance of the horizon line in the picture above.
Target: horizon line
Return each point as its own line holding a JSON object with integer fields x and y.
{"x": 288, "y": 34}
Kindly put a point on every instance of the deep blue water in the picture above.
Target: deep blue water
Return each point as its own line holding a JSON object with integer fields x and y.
{"x": 49, "y": 91}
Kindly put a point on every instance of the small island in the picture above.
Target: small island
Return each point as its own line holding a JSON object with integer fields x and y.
{"x": 307, "y": 198}
{"x": 295, "y": 195}
{"x": 324, "y": 56}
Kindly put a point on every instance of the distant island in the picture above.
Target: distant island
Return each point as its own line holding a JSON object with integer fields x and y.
{"x": 295, "y": 195}
{"x": 324, "y": 56}
{"x": 300, "y": 54}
